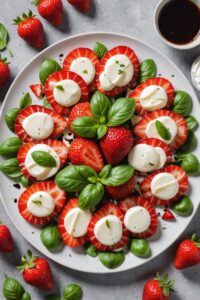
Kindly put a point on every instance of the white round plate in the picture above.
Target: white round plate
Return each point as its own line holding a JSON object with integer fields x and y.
{"x": 75, "y": 259}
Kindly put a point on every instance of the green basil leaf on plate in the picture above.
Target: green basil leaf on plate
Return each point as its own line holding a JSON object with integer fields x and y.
{"x": 139, "y": 247}
{"x": 182, "y": 103}
{"x": 72, "y": 292}
{"x": 100, "y": 49}
{"x": 192, "y": 122}
{"x": 3, "y": 36}
{"x": 10, "y": 147}
{"x": 10, "y": 117}
{"x": 189, "y": 162}
{"x": 100, "y": 105}
{"x": 112, "y": 260}
{"x": 90, "y": 250}
{"x": 44, "y": 159}
{"x": 74, "y": 178}
{"x": 105, "y": 172}
{"x": 26, "y": 296}
{"x": 184, "y": 207}
{"x": 12, "y": 289}
{"x": 91, "y": 195}
{"x": 190, "y": 143}
{"x": 50, "y": 237}
{"x": 101, "y": 131}
{"x": 25, "y": 181}
{"x": 25, "y": 101}
{"x": 148, "y": 70}
{"x": 118, "y": 175}
{"x": 48, "y": 67}
{"x": 46, "y": 103}
{"x": 121, "y": 111}
{"x": 85, "y": 127}
{"x": 163, "y": 131}
{"x": 10, "y": 167}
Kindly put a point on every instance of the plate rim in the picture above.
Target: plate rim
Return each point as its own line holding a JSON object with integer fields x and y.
{"x": 1, "y": 116}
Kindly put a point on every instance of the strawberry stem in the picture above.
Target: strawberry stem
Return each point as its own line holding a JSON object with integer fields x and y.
{"x": 165, "y": 284}
{"x": 27, "y": 262}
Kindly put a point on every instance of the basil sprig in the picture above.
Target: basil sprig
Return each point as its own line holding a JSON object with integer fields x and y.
{"x": 105, "y": 115}
{"x": 148, "y": 70}
{"x": 163, "y": 131}
{"x": 89, "y": 184}
{"x": 100, "y": 49}
{"x": 44, "y": 159}
{"x": 4, "y": 39}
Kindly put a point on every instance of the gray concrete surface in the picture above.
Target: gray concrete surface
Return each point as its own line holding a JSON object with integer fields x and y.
{"x": 131, "y": 17}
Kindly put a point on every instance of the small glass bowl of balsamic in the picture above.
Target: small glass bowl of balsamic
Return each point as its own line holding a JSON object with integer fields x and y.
{"x": 178, "y": 23}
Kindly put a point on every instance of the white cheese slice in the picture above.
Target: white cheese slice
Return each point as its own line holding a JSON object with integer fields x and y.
{"x": 137, "y": 219}
{"x": 41, "y": 204}
{"x": 164, "y": 186}
{"x": 84, "y": 67}
{"x": 67, "y": 92}
{"x": 153, "y": 97}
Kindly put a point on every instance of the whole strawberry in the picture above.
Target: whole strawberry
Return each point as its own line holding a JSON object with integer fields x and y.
{"x": 4, "y": 71}
{"x": 36, "y": 271}
{"x": 116, "y": 144}
{"x": 6, "y": 241}
{"x": 188, "y": 253}
{"x": 121, "y": 191}
{"x": 83, "y": 5}
{"x": 158, "y": 288}
{"x": 51, "y": 10}
{"x": 30, "y": 29}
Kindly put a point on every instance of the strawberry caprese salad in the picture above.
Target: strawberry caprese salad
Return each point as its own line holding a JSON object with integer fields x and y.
{"x": 110, "y": 143}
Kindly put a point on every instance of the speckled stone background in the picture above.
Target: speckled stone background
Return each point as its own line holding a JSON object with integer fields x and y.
{"x": 131, "y": 17}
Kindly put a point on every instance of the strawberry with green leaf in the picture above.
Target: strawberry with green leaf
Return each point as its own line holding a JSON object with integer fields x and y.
{"x": 51, "y": 10}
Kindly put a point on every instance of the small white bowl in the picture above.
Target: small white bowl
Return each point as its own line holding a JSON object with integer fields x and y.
{"x": 157, "y": 11}
{"x": 197, "y": 85}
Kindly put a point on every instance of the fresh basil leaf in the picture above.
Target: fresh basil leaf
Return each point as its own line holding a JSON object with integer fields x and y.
{"x": 72, "y": 292}
{"x": 25, "y": 182}
{"x": 10, "y": 147}
{"x": 46, "y": 103}
{"x": 163, "y": 131}
{"x": 10, "y": 167}
{"x": 190, "y": 143}
{"x": 140, "y": 247}
{"x": 85, "y": 127}
{"x": 148, "y": 70}
{"x": 184, "y": 207}
{"x": 25, "y": 101}
{"x": 112, "y": 260}
{"x": 118, "y": 175}
{"x": 100, "y": 105}
{"x": 10, "y": 117}
{"x": 48, "y": 67}
{"x": 192, "y": 122}
{"x": 100, "y": 49}
{"x": 59, "y": 87}
{"x": 3, "y": 36}
{"x": 182, "y": 104}
{"x": 74, "y": 178}
{"x": 121, "y": 111}
{"x": 50, "y": 236}
{"x": 189, "y": 162}
{"x": 101, "y": 131}
{"x": 90, "y": 250}
{"x": 44, "y": 159}
{"x": 91, "y": 195}
{"x": 26, "y": 296}
{"x": 12, "y": 289}
{"x": 105, "y": 172}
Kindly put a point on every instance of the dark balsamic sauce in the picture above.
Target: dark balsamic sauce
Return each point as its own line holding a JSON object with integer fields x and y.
{"x": 179, "y": 21}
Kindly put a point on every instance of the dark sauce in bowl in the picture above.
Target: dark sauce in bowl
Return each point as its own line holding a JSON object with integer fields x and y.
{"x": 179, "y": 21}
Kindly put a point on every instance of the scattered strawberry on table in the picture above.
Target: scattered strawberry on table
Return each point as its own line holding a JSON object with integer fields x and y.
{"x": 52, "y": 10}
{"x": 6, "y": 240}
{"x": 4, "y": 71}
{"x": 82, "y": 5}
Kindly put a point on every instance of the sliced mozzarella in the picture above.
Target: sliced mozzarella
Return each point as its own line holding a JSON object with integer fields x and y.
{"x": 135, "y": 119}
{"x": 108, "y": 230}
{"x": 105, "y": 83}
{"x": 145, "y": 158}
{"x": 164, "y": 186}
{"x": 67, "y": 92}
{"x": 37, "y": 171}
{"x": 137, "y": 219}
{"x": 168, "y": 122}
{"x": 41, "y": 204}
{"x": 76, "y": 222}
{"x": 153, "y": 97}
{"x": 84, "y": 67}
{"x": 38, "y": 125}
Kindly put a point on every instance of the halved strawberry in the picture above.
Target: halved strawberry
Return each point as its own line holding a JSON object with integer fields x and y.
{"x": 47, "y": 186}
{"x": 101, "y": 66}
{"x": 68, "y": 239}
{"x": 63, "y": 75}
{"x": 158, "y": 143}
{"x": 77, "y": 53}
{"x": 105, "y": 210}
{"x": 160, "y": 81}
{"x": 79, "y": 110}
{"x": 121, "y": 191}
{"x": 177, "y": 172}
{"x": 60, "y": 123}
{"x": 182, "y": 129}
{"x": 86, "y": 152}
{"x": 59, "y": 147}
{"x": 132, "y": 201}
{"x": 37, "y": 89}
